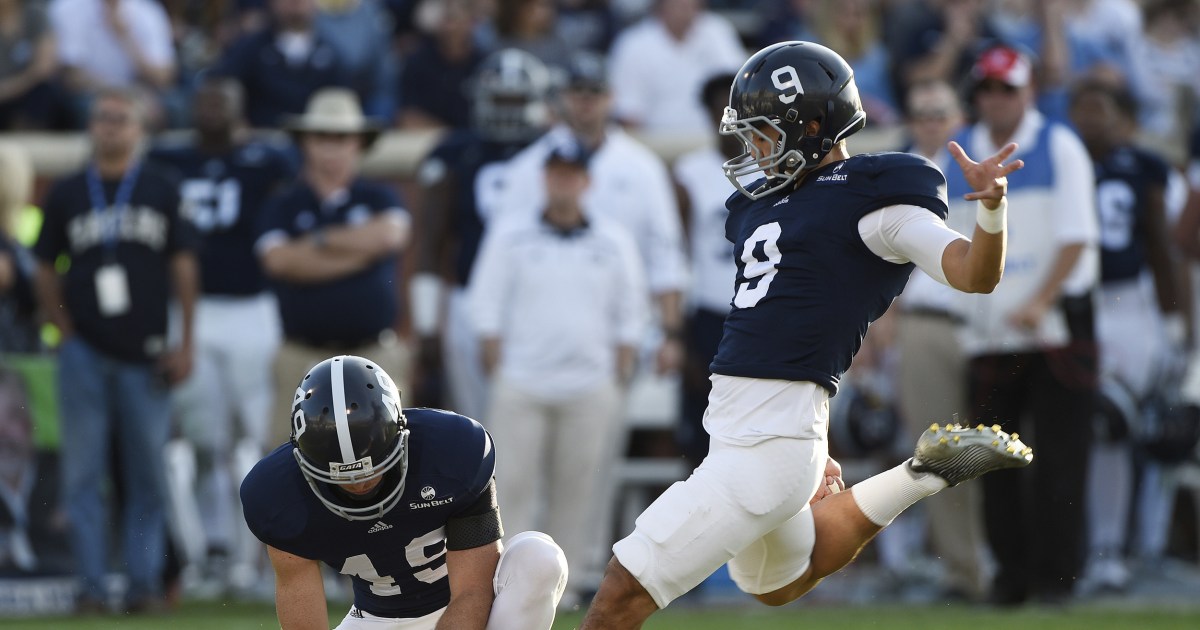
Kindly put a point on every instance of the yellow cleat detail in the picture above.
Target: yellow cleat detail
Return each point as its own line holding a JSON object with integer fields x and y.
{"x": 979, "y": 428}
{"x": 995, "y": 442}
{"x": 942, "y": 441}
{"x": 934, "y": 427}
{"x": 1011, "y": 449}
{"x": 1015, "y": 436}
{"x": 956, "y": 439}
{"x": 995, "y": 428}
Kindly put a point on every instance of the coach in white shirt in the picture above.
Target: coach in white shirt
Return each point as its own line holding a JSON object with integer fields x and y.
{"x": 560, "y": 305}
{"x": 659, "y": 64}
{"x": 630, "y": 186}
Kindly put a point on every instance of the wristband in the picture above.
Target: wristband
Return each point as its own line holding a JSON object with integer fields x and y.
{"x": 992, "y": 221}
{"x": 425, "y": 294}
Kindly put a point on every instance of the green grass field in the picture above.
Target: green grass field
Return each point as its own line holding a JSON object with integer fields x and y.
{"x": 217, "y": 616}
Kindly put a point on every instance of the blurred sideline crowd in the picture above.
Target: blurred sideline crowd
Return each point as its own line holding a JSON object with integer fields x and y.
{"x": 541, "y": 261}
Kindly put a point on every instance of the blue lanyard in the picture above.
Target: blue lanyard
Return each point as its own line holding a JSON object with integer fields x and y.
{"x": 120, "y": 203}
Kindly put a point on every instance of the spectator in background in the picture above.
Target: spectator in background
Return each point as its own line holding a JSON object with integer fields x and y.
{"x": 937, "y": 40}
{"x": 702, "y": 196}
{"x": 1135, "y": 330}
{"x": 529, "y": 25}
{"x": 113, "y": 43}
{"x": 130, "y": 249}
{"x": 33, "y": 530}
{"x": 851, "y": 27}
{"x": 282, "y": 66}
{"x": 629, "y": 185}
{"x": 1166, "y": 74}
{"x": 932, "y": 368}
{"x": 226, "y": 181}
{"x": 1031, "y": 342}
{"x": 433, "y": 90}
{"x": 587, "y": 24}
{"x": 1187, "y": 229}
{"x": 786, "y": 20}
{"x": 658, "y": 65}
{"x": 559, "y": 305}
{"x": 18, "y": 308}
{"x": 462, "y": 180}
{"x": 28, "y": 61}
{"x": 360, "y": 30}
{"x": 330, "y": 242}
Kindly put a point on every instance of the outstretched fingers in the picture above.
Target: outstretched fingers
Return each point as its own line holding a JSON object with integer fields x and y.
{"x": 960, "y": 155}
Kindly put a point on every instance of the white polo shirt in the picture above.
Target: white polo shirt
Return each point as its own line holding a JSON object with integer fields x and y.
{"x": 559, "y": 303}
{"x": 714, "y": 273}
{"x": 86, "y": 41}
{"x": 656, "y": 79}
{"x": 630, "y": 186}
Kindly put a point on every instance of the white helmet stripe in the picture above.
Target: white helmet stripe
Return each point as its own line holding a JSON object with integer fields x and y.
{"x": 339, "y": 412}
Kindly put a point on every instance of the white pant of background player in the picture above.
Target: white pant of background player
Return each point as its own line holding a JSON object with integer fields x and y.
{"x": 529, "y": 581}
{"x": 747, "y": 503}
{"x": 1133, "y": 349}
{"x": 223, "y": 412}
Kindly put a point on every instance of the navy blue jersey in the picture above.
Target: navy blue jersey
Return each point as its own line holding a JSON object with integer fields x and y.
{"x": 223, "y": 196}
{"x": 397, "y": 564}
{"x": 149, "y": 230}
{"x": 1124, "y": 179}
{"x": 807, "y": 286}
{"x": 368, "y": 299}
{"x": 274, "y": 86}
{"x": 477, "y": 169}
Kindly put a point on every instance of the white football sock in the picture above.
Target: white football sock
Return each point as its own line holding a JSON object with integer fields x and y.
{"x": 883, "y": 497}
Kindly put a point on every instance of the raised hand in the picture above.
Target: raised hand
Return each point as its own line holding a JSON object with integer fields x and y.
{"x": 989, "y": 178}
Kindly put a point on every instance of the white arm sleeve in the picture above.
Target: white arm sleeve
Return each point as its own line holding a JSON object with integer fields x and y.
{"x": 904, "y": 233}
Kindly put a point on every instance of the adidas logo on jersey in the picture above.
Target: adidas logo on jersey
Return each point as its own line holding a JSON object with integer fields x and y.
{"x": 378, "y": 527}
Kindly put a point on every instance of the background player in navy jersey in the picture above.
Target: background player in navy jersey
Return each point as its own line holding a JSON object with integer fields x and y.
{"x": 1138, "y": 329}
{"x": 401, "y": 500}
{"x": 462, "y": 179}
{"x": 823, "y": 245}
{"x": 226, "y": 178}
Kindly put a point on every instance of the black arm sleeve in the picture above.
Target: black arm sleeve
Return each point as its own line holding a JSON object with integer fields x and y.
{"x": 478, "y": 524}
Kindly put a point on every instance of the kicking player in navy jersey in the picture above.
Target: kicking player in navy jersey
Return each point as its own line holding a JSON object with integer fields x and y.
{"x": 823, "y": 244}
{"x": 401, "y": 500}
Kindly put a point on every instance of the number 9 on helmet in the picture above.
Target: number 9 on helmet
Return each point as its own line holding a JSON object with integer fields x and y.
{"x": 783, "y": 88}
{"x": 349, "y": 432}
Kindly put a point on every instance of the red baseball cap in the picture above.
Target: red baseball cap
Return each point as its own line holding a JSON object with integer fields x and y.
{"x": 1005, "y": 64}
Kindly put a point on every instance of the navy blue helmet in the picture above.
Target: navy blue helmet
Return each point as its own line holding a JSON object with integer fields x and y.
{"x": 348, "y": 428}
{"x": 784, "y": 87}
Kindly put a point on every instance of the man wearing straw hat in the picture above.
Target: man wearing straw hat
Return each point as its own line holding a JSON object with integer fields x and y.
{"x": 329, "y": 244}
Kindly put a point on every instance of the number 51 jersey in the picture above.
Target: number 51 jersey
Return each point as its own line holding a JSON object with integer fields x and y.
{"x": 397, "y": 563}
{"x": 807, "y": 285}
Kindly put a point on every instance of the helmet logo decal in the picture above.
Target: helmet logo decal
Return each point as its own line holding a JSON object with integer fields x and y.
{"x": 391, "y": 395}
{"x": 792, "y": 83}
{"x": 360, "y": 468}
{"x": 298, "y": 421}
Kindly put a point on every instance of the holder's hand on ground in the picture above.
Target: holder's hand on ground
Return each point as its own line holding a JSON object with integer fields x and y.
{"x": 989, "y": 178}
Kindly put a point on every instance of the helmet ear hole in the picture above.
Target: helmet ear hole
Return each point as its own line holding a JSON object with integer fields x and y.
{"x": 353, "y": 406}
{"x": 370, "y": 386}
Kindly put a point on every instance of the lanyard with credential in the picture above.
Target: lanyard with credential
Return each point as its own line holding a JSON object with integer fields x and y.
{"x": 112, "y": 226}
